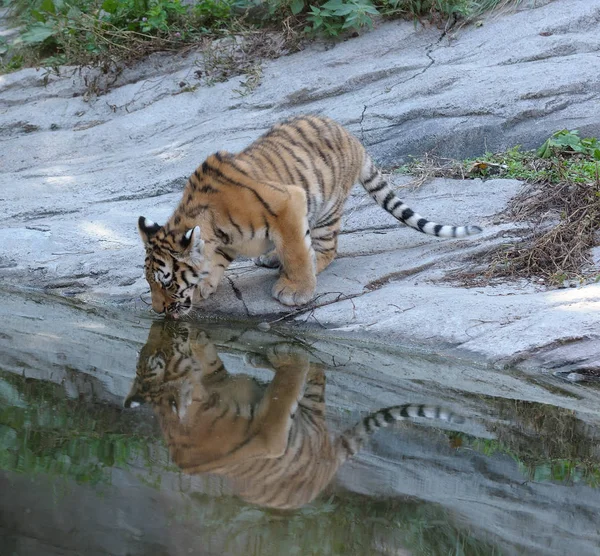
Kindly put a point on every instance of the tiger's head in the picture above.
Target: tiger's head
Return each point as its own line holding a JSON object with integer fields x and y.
{"x": 176, "y": 366}
{"x": 171, "y": 266}
{"x": 203, "y": 410}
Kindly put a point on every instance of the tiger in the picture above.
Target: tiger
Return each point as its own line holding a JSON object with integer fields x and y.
{"x": 271, "y": 442}
{"x": 281, "y": 200}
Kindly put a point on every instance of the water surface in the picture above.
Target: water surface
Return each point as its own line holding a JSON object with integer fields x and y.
{"x": 207, "y": 460}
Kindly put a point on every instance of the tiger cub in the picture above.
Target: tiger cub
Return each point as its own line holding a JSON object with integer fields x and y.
{"x": 271, "y": 442}
{"x": 281, "y": 198}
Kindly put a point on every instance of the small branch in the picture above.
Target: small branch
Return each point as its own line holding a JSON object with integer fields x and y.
{"x": 311, "y": 308}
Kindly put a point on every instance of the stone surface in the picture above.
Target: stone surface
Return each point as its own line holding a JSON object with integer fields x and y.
{"x": 91, "y": 352}
{"x": 77, "y": 171}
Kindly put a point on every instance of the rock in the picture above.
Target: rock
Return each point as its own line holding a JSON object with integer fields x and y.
{"x": 78, "y": 170}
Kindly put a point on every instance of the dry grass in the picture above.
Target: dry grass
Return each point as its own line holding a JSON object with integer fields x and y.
{"x": 565, "y": 219}
{"x": 560, "y": 204}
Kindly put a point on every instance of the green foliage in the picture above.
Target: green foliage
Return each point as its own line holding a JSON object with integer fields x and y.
{"x": 569, "y": 142}
{"x": 104, "y": 31}
{"x": 564, "y": 155}
{"x": 336, "y": 16}
{"x": 42, "y": 432}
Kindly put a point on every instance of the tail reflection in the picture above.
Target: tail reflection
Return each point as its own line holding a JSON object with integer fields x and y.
{"x": 272, "y": 441}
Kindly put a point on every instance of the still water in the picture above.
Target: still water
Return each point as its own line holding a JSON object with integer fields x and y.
{"x": 122, "y": 435}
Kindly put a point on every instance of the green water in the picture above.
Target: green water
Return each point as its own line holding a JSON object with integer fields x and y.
{"x": 81, "y": 474}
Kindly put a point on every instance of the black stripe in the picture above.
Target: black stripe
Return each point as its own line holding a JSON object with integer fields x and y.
{"x": 313, "y": 146}
{"x": 235, "y": 225}
{"x": 223, "y": 413}
{"x": 407, "y": 213}
{"x": 228, "y": 181}
{"x": 193, "y": 213}
{"x": 234, "y": 165}
{"x": 404, "y": 412}
{"x": 322, "y": 153}
{"x": 307, "y": 146}
{"x": 265, "y": 153}
{"x": 387, "y": 199}
{"x": 421, "y": 412}
{"x": 437, "y": 229}
{"x": 336, "y": 210}
{"x": 291, "y": 151}
{"x": 208, "y": 189}
{"x": 387, "y": 415}
{"x": 281, "y": 159}
{"x": 321, "y": 183}
{"x": 328, "y": 237}
{"x": 371, "y": 178}
{"x": 223, "y": 236}
{"x": 328, "y": 223}
{"x": 338, "y": 139}
{"x": 323, "y": 249}
{"x": 331, "y": 161}
{"x": 223, "y": 254}
{"x": 395, "y": 205}
{"x": 421, "y": 223}
{"x": 297, "y": 145}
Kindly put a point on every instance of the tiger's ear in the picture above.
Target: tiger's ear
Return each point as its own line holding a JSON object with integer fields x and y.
{"x": 133, "y": 399}
{"x": 147, "y": 229}
{"x": 191, "y": 244}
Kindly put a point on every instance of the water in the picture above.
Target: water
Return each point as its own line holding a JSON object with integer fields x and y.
{"x": 81, "y": 474}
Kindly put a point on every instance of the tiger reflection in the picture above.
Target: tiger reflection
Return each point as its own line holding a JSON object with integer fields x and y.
{"x": 272, "y": 442}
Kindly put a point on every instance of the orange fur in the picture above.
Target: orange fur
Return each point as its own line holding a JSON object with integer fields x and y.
{"x": 281, "y": 198}
{"x": 272, "y": 442}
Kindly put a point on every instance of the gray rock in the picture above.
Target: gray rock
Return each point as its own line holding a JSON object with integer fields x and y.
{"x": 79, "y": 170}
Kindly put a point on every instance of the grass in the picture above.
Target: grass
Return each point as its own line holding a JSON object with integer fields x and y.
{"x": 560, "y": 204}
{"x": 549, "y": 443}
{"x": 110, "y": 33}
{"x": 43, "y": 432}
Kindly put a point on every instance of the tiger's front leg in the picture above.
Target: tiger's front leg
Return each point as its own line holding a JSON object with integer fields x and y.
{"x": 214, "y": 268}
{"x": 291, "y": 235}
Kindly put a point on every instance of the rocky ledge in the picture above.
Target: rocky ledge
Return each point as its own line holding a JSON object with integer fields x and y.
{"x": 79, "y": 169}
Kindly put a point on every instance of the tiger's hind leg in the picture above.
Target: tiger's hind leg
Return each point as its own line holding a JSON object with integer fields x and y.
{"x": 324, "y": 237}
{"x": 268, "y": 260}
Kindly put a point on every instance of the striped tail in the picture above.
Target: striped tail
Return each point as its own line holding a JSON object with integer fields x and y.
{"x": 352, "y": 440}
{"x": 376, "y": 186}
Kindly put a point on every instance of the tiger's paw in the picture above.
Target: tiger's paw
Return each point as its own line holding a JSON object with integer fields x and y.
{"x": 291, "y": 293}
{"x": 268, "y": 260}
{"x": 206, "y": 288}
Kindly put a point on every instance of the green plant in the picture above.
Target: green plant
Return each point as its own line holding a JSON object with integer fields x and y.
{"x": 108, "y": 32}
{"x": 336, "y": 16}
{"x": 569, "y": 142}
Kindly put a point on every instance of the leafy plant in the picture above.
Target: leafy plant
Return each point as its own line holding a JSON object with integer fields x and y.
{"x": 336, "y": 16}
{"x": 569, "y": 142}
{"x": 107, "y": 32}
